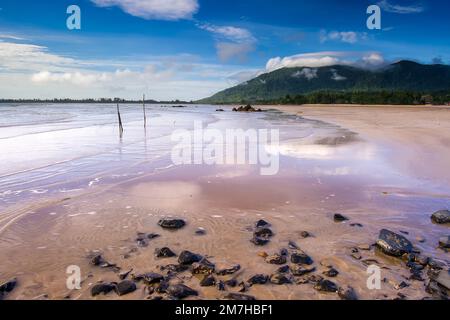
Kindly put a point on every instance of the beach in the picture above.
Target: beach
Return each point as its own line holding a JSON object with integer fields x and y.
{"x": 72, "y": 189}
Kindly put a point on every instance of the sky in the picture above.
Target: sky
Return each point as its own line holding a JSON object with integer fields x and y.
{"x": 190, "y": 49}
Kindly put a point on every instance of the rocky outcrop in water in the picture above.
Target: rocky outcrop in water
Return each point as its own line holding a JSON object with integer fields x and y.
{"x": 393, "y": 244}
{"x": 247, "y": 108}
{"x": 441, "y": 216}
{"x": 171, "y": 223}
{"x": 7, "y": 287}
{"x": 180, "y": 291}
{"x": 187, "y": 257}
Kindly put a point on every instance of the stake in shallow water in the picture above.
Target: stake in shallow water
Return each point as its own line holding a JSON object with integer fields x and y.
{"x": 120, "y": 121}
{"x": 143, "y": 108}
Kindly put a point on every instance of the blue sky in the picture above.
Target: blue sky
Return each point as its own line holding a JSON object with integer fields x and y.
{"x": 189, "y": 49}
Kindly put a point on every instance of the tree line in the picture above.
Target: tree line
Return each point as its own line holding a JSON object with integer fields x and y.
{"x": 362, "y": 97}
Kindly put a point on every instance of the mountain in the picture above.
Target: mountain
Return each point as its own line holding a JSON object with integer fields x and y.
{"x": 404, "y": 75}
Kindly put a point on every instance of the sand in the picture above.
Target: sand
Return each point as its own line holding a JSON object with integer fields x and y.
{"x": 383, "y": 167}
{"x": 417, "y": 136}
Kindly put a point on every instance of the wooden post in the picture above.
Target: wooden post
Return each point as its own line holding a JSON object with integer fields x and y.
{"x": 143, "y": 108}
{"x": 120, "y": 121}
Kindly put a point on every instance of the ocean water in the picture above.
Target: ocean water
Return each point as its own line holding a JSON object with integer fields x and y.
{"x": 58, "y": 148}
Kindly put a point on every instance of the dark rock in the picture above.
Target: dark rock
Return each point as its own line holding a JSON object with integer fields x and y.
{"x": 444, "y": 242}
{"x": 247, "y": 108}
{"x": 258, "y": 279}
{"x": 244, "y": 286}
{"x": 231, "y": 283}
{"x": 298, "y": 270}
{"x": 164, "y": 253}
{"x": 283, "y": 269}
{"x": 299, "y": 257}
{"x": 180, "y": 291}
{"x": 332, "y": 272}
{"x": 124, "y": 287}
{"x": 239, "y": 296}
{"x": 221, "y": 286}
{"x": 347, "y": 293}
{"x": 261, "y": 223}
{"x": 200, "y": 232}
{"x": 279, "y": 278}
{"x": 172, "y": 223}
{"x": 276, "y": 259}
{"x": 292, "y": 245}
{"x": 414, "y": 266}
{"x": 259, "y": 241}
{"x": 305, "y": 234}
{"x": 162, "y": 287}
{"x": 435, "y": 265}
{"x": 400, "y": 285}
{"x": 123, "y": 275}
{"x": 393, "y": 244}
{"x": 97, "y": 260}
{"x": 443, "y": 279}
{"x": 263, "y": 232}
{"x": 203, "y": 267}
{"x": 359, "y": 225}
{"x": 104, "y": 288}
{"x": 420, "y": 259}
{"x": 152, "y": 236}
{"x": 441, "y": 216}
{"x": 416, "y": 275}
{"x": 404, "y": 232}
{"x": 142, "y": 243}
{"x": 230, "y": 270}
{"x": 314, "y": 278}
{"x": 149, "y": 278}
{"x": 337, "y": 217}
{"x": 219, "y": 110}
{"x": 208, "y": 281}
{"x": 439, "y": 285}
{"x": 8, "y": 286}
{"x": 143, "y": 238}
{"x": 174, "y": 268}
{"x": 187, "y": 257}
{"x": 326, "y": 286}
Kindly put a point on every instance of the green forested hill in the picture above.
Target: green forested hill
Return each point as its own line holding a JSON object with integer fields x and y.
{"x": 403, "y": 76}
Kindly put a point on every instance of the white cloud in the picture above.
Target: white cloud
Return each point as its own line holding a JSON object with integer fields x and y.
{"x": 344, "y": 36}
{"x": 400, "y": 9}
{"x": 306, "y": 73}
{"x": 154, "y": 9}
{"x": 373, "y": 59}
{"x": 336, "y": 77}
{"x": 11, "y": 37}
{"x": 313, "y": 60}
{"x": 229, "y": 32}
{"x": 327, "y": 58}
{"x": 29, "y": 57}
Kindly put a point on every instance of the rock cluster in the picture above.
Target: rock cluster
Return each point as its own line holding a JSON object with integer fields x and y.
{"x": 247, "y": 108}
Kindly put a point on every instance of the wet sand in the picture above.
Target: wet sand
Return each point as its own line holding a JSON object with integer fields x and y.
{"x": 377, "y": 166}
{"x": 416, "y": 135}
